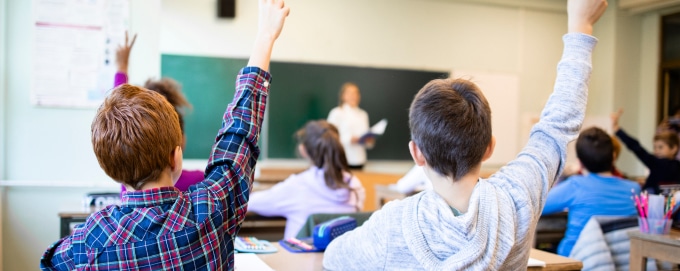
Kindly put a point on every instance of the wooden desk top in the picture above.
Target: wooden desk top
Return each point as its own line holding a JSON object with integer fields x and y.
{"x": 553, "y": 261}
{"x": 84, "y": 212}
{"x": 275, "y": 175}
{"x": 660, "y": 247}
{"x": 287, "y": 261}
{"x": 672, "y": 239}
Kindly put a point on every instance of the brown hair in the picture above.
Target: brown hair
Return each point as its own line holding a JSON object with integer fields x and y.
{"x": 616, "y": 144}
{"x": 343, "y": 88}
{"x": 134, "y": 134}
{"x": 172, "y": 91}
{"x": 450, "y": 122}
{"x": 594, "y": 149}
{"x": 322, "y": 143}
{"x": 669, "y": 137}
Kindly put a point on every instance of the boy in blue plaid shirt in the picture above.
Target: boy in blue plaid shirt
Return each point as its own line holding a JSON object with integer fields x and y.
{"x": 137, "y": 138}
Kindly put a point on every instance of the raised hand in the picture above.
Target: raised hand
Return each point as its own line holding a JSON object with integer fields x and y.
{"x": 273, "y": 14}
{"x": 615, "y": 119}
{"x": 123, "y": 53}
{"x": 583, "y": 14}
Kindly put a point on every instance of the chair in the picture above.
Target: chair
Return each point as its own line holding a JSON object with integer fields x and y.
{"x": 316, "y": 219}
{"x": 604, "y": 243}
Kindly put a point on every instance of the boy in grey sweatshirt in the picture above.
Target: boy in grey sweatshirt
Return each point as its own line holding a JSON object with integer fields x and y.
{"x": 466, "y": 222}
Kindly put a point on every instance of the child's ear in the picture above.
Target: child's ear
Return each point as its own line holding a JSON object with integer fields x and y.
{"x": 418, "y": 156}
{"x": 176, "y": 164}
{"x": 176, "y": 159}
{"x": 489, "y": 149}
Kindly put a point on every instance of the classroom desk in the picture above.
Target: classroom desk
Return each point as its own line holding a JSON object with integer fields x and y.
{"x": 286, "y": 261}
{"x": 262, "y": 227}
{"x": 659, "y": 247}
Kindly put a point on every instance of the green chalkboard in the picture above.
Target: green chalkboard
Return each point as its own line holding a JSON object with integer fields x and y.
{"x": 300, "y": 92}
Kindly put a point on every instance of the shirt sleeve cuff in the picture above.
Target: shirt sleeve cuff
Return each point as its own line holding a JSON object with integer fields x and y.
{"x": 579, "y": 45}
{"x": 119, "y": 79}
{"x": 261, "y": 74}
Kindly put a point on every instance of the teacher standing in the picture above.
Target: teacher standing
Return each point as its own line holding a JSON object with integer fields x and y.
{"x": 352, "y": 123}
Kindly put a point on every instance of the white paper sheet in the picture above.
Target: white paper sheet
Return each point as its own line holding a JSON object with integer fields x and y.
{"x": 249, "y": 262}
{"x": 534, "y": 262}
{"x": 379, "y": 128}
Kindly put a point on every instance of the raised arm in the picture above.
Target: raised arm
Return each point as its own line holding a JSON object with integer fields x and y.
{"x": 542, "y": 160}
{"x": 631, "y": 143}
{"x": 122, "y": 60}
{"x": 230, "y": 168}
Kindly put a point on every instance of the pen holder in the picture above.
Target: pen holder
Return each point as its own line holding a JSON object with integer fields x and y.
{"x": 654, "y": 226}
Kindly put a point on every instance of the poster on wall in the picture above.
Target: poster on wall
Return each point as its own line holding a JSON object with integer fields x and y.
{"x": 74, "y": 50}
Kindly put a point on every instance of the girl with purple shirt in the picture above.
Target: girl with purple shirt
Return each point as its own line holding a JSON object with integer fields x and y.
{"x": 326, "y": 187}
{"x": 170, "y": 89}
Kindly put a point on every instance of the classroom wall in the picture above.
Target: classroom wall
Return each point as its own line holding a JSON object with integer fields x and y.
{"x": 3, "y": 88}
{"x": 48, "y": 146}
{"x": 52, "y": 145}
{"x": 3, "y": 24}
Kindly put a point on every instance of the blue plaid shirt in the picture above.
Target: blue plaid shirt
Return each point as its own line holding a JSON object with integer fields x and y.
{"x": 166, "y": 229}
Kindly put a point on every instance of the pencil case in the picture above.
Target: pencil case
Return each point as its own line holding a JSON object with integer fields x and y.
{"x": 325, "y": 232}
{"x": 322, "y": 235}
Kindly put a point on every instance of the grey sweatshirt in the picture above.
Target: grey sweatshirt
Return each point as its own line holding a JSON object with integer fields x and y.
{"x": 421, "y": 232}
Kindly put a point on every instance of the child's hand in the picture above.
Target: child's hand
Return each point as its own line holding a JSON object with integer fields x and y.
{"x": 583, "y": 14}
{"x": 123, "y": 53}
{"x": 273, "y": 13}
{"x": 615, "y": 119}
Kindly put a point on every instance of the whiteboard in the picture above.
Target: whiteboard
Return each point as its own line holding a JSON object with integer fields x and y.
{"x": 502, "y": 93}
{"x": 74, "y": 46}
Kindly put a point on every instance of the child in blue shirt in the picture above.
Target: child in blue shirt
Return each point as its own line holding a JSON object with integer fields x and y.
{"x": 598, "y": 192}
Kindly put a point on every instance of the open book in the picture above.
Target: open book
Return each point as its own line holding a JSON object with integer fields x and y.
{"x": 376, "y": 130}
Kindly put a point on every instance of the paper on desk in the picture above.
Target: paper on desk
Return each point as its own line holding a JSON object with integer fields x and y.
{"x": 534, "y": 262}
{"x": 249, "y": 262}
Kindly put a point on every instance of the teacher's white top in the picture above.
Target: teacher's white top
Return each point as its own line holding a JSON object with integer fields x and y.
{"x": 351, "y": 122}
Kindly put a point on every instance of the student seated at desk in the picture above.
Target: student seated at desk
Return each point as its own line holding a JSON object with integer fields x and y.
{"x": 171, "y": 90}
{"x": 136, "y": 138}
{"x": 598, "y": 192}
{"x": 326, "y": 187}
{"x": 466, "y": 222}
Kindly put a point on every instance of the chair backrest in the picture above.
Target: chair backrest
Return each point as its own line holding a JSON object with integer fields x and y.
{"x": 315, "y": 219}
{"x": 604, "y": 243}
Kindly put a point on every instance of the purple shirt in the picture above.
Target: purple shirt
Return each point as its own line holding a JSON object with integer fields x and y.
{"x": 304, "y": 194}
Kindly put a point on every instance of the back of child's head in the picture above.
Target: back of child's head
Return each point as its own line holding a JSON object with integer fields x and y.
{"x": 172, "y": 91}
{"x": 450, "y": 122}
{"x": 595, "y": 150}
{"x": 668, "y": 137}
{"x": 322, "y": 145}
{"x": 134, "y": 134}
